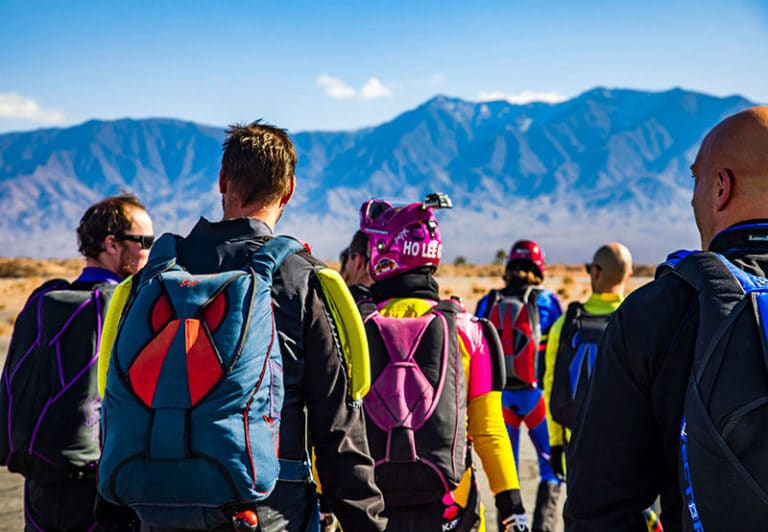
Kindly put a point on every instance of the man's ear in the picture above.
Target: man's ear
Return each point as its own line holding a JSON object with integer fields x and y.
{"x": 724, "y": 188}
{"x": 289, "y": 193}
{"x": 110, "y": 245}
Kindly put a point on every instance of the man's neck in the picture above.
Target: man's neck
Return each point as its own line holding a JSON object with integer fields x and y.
{"x": 268, "y": 214}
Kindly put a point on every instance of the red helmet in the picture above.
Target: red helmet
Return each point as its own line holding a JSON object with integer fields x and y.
{"x": 528, "y": 251}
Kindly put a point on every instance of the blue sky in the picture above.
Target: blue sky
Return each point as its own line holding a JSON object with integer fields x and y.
{"x": 335, "y": 65}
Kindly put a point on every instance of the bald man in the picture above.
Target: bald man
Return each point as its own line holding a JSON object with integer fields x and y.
{"x": 573, "y": 343}
{"x": 631, "y": 442}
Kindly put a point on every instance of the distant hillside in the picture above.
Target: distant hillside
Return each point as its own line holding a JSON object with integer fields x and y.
{"x": 610, "y": 164}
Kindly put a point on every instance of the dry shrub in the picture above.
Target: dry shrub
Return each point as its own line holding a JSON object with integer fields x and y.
{"x": 568, "y": 280}
{"x": 25, "y": 267}
{"x": 477, "y": 289}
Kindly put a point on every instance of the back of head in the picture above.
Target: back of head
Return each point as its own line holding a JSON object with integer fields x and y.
{"x": 258, "y": 162}
{"x": 402, "y": 238}
{"x": 731, "y": 173}
{"x": 615, "y": 264}
{"x": 359, "y": 243}
{"x": 110, "y": 216}
{"x": 740, "y": 143}
{"x": 525, "y": 263}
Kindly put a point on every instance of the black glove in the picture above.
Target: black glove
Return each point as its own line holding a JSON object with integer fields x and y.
{"x": 557, "y": 461}
{"x": 510, "y": 513}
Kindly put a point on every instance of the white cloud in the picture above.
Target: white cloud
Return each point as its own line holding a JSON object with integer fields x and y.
{"x": 339, "y": 90}
{"x": 523, "y": 97}
{"x": 14, "y": 105}
{"x": 374, "y": 88}
{"x": 335, "y": 88}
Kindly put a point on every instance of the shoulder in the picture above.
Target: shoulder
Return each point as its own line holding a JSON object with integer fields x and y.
{"x": 300, "y": 267}
{"x": 557, "y": 327}
{"x": 548, "y": 300}
{"x": 546, "y": 295}
{"x": 667, "y": 292}
{"x": 654, "y": 317}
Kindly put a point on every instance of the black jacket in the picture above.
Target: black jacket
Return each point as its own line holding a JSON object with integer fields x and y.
{"x": 315, "y": 375}
{"x": 626, "y": 443}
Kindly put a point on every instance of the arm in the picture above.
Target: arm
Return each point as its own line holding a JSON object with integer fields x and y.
{"x": 614, "y": 458}
{"x": 549, "y": 309}
{"x": 337, "y": 424}
{"x": 486, "y": 421}
{"x": 556, "y": 431}
{"x": 482, "y": 306}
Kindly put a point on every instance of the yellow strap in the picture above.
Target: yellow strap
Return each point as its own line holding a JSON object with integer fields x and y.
{"x": 109, "y": 329}
{"x": 349, "y": 324}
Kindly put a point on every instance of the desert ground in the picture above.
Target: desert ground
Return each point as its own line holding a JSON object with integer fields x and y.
{"x": 19, "y": 276}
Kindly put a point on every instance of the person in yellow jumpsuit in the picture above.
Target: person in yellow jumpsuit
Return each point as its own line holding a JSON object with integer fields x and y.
{"x": 609, "y": 271}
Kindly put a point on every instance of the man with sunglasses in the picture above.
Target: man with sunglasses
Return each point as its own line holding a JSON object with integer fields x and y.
{"x": 572, "y": 346}
{"x": 59, "y": 462}
{"x": 354, "y": 267}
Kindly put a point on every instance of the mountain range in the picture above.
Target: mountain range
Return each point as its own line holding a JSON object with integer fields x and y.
{"x": 609, "y": 164}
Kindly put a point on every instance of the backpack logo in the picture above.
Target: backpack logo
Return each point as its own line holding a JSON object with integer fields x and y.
{"x": 584, "y": 352}
{"x": 202, "y": 366}
{"x": 574, "y": 362}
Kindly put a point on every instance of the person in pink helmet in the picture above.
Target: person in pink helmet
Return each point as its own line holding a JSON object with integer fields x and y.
{"x": 418, "y": 421}
{"x": 523, "y": 312}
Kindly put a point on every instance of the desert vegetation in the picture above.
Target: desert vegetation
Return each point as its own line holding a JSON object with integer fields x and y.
{"x": 19, "y": 276}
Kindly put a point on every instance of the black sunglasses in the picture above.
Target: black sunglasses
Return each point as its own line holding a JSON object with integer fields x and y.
{"x": 589, "y": 265}
{"x": 145, "y": 241}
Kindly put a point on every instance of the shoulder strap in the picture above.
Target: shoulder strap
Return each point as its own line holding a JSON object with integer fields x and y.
{"x": 163, "y": 255}
{"x": 448, "y": 305}
{"x": 366, "y": 307}
{"x": 574, "y": 311}
{"x": 498, "y": 365}
{"x": 493, "y": 297}
{"x": 570, "y": 326}
{"x": 721, "y": 287}
{"x": 531, "y": 300}
{"x": 53, "y": 284}
{"x": 268, "y": 258}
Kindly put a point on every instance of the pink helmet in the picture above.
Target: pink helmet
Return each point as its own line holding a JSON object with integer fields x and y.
{"x": 528, "y": 251}
{"x": 404, "y": 237}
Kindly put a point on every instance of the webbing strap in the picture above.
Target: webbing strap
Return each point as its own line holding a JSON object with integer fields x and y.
{"x": 294, "y": 471}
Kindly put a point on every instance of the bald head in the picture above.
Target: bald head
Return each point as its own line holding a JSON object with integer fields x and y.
{"x": 731, "y": 173}
{"x": 612, "y": 267}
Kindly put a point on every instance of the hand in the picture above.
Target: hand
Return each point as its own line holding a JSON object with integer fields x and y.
{"x": 514, "y": 523}
{"x": 329, "y": 523}
{"x": 557, "y": 461}
{"x": 511, "y": 516}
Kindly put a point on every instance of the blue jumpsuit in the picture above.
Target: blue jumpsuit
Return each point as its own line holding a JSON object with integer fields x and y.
{"x": 526, "y": 404}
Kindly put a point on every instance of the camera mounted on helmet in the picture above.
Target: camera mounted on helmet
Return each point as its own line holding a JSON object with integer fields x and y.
{"x": 402, "y": 237}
